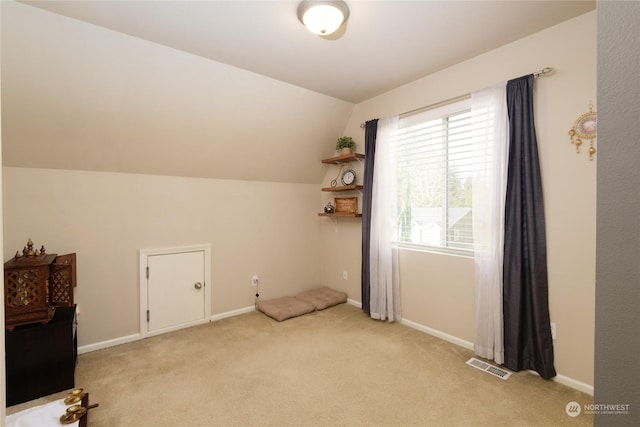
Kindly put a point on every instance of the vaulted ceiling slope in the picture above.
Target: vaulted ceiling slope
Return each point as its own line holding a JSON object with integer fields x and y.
{"x": 222, "y": 89}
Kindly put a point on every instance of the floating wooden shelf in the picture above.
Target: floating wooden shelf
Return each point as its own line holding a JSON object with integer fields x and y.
{"x": 338, "y": 160}
{"x": 341, "y": 215}
{"x": 345, "y": 158}
{"x": 344, "y": 188}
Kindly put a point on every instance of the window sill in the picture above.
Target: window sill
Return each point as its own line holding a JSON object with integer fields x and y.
{"x": 438, "y": 250}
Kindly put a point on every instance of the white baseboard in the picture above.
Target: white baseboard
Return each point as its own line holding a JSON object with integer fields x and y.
{"x": 426, "y": 329}
{"x": 354, "y": 302}
{"x": 562, "y": 379}
{"x": 135, "y": 337}
{"x": 438, "y": 334}
{"x": 570, "y": 382}
{"x": 109, "y": 343}
{"x": 232, "y": 313}
{"x": 575, "y": 384}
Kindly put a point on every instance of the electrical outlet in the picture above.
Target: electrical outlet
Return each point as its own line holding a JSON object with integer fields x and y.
{"x": 254, "y": 281}
{"x": 553, "y": 330}
{"x": 345, "y": 275}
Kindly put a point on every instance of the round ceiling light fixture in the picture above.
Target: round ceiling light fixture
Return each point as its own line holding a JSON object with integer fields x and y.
{"x": 323, "y": 17}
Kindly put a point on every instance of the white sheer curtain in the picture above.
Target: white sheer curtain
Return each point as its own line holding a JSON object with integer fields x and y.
{"x": 490, "y": 155}
{"x": 385, "y": 280}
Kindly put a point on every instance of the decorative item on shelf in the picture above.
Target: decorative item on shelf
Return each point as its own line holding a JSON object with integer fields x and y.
{"x": 345, "y": 144}
{"x": 348, "y": 177}
{"x": 585, "y": 127}
{"x": 334, "y": 182}
{"x": 346, "y": 205}
{"x": 341, "y": 174}
{"x": 329, "y": 208}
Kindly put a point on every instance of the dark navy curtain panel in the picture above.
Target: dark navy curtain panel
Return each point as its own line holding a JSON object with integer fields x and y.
{"x": 527, "y": 331}
{"x": 370, "y": 132}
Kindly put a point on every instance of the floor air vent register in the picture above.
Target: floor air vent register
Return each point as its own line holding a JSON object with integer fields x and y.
{"x": 488, "y": 368}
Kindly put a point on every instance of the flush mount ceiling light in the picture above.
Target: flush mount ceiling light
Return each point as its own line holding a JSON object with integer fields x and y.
{"x": 323, "y": 17}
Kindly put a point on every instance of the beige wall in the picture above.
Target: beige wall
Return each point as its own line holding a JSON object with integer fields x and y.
{"x": 263, "y": 228}
{"x": 438, "y": 291}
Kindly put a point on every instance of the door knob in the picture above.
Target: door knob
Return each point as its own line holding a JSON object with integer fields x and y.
{"x": 198, "y": 285}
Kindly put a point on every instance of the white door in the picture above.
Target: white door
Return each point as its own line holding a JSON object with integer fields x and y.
{"x": 177, "y": 294}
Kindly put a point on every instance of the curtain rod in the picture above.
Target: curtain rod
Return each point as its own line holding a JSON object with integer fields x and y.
{"x": 540, "y": 73}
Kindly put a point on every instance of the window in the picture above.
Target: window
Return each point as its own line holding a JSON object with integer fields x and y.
{"x": 433, "y": 158}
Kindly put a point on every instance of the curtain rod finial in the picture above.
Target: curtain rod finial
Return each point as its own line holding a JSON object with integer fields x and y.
{"x": 544, "y": 72}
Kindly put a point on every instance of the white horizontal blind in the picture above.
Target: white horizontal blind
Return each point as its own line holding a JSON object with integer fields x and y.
{"x": 432, "y": 152}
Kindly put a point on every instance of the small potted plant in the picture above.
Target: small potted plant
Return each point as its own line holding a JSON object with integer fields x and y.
{"x": 345, "y": 144}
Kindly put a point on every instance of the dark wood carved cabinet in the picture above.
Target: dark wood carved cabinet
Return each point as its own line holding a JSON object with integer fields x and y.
{"x": 40, "y": 320}
{"x": 41, "y": 359}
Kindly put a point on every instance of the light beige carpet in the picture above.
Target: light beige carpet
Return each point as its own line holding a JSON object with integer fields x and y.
{"x": 336, "y": 367}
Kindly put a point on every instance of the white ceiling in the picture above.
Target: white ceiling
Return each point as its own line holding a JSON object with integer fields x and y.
{"x": 384, "y": 45}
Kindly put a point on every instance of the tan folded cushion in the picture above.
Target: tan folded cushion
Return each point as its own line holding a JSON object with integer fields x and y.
{"x": 323, "y": 297}
{"x": 285, "y": 308}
